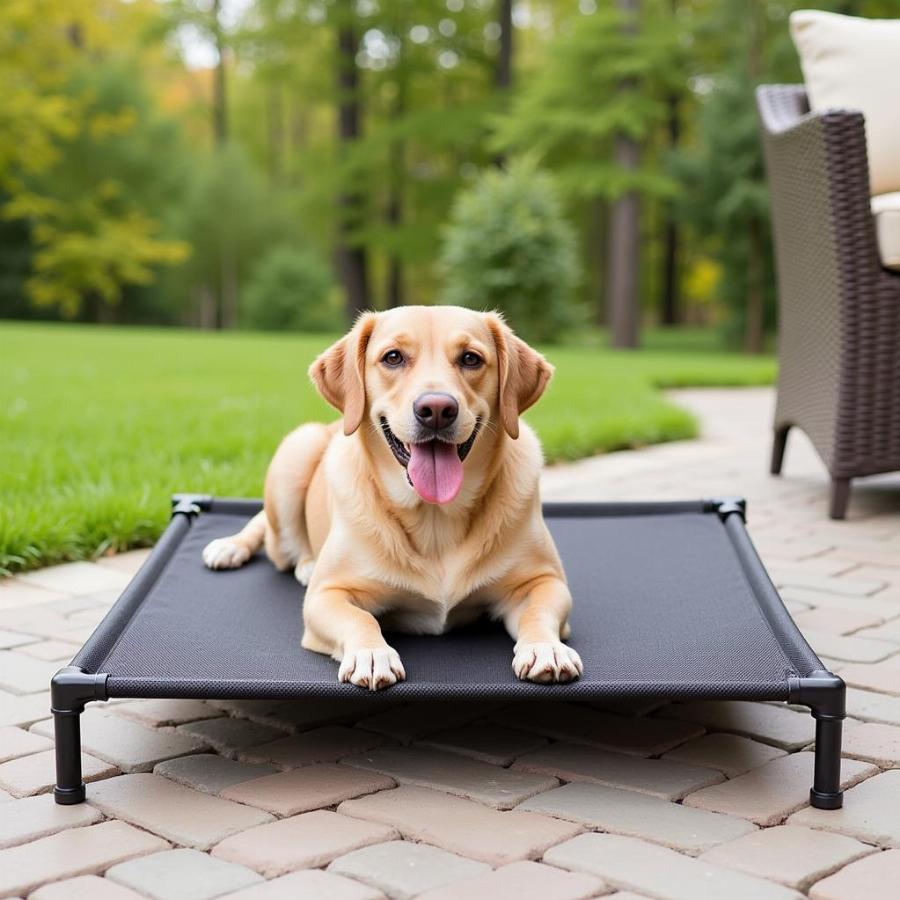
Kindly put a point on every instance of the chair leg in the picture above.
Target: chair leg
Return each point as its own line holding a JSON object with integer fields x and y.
{"x": 778, "y": 444}
{"x": 840, "y": 497}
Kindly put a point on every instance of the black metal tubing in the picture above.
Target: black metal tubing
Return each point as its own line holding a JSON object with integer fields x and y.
{"x": 825, "y": 694}
{"x": 70, "y": 689}
{"x": 821, "y": 691}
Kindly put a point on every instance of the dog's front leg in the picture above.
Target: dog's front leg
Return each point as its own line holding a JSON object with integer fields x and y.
{"x": 537, "y": 622}
{"x": 335, "y": 624}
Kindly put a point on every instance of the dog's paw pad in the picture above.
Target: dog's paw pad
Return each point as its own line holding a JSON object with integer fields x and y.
{"x": 546, "y": 662}
{"x": 303, "y": 571}
{"x": 224, "y": 554}
{"x": 372, "y": 669}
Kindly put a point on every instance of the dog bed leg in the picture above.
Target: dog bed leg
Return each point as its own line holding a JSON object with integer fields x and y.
{"x": 825, "y": 694}
{"x": 70, "y": 689}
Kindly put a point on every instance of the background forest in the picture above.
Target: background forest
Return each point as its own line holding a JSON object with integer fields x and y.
{"x": 282, "y": 164}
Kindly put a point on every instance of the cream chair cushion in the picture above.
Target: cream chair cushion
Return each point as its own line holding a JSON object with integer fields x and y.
{"x": 852, "y": 63}
{"x": 886, "y": 208}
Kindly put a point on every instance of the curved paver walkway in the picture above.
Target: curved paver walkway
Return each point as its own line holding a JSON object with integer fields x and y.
{"x": 255, "y": 800}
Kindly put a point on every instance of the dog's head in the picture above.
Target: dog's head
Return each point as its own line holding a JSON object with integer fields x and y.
{"x": 431, "y": 379}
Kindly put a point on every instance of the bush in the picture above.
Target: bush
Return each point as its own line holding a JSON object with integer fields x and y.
{"x": 290, "y": 290}
{"x": 509, "y": 247}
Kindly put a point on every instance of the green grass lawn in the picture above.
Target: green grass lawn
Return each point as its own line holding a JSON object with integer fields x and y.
{"x": 100, "y": 425}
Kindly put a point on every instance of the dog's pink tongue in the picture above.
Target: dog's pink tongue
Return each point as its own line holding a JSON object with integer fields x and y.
{"x": 436, "y": 471}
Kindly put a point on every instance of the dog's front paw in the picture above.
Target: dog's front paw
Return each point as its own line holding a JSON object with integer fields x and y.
{"x": 373, "y": 669}
{"x": 546, "y": 662}
{"x": 224, "y": 554}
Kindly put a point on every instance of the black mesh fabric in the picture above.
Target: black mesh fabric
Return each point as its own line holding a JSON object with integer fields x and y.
{"x": 667, "y": 604}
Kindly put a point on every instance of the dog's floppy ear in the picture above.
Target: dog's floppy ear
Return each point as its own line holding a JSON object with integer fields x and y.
{"x": 524, "y": 374}
{"x": 339, "y": 374}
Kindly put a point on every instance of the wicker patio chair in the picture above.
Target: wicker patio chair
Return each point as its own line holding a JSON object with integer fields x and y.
{"x": 839, "y": 309}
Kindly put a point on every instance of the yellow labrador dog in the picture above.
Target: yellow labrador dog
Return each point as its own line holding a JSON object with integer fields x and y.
{"x": 420, "y": 509}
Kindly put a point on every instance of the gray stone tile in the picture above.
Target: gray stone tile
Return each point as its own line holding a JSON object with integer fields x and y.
{"x": 485, "y": 742}
{"x": 182, "y": 875}
{"x": 869, "y": 812}
{"x": 181, "y": 814}
{"x": 36, "y": 817}
{"x": 731, "y": 754}
{"x": 404, "y": 870}
{"x": 584, "y": 725}
{"x": 230, "y": 736}
{"x": 491, "y": 785}
{"x": 126, "y": 744}
{"x": 658, "y": 777}
{"x": 639, "y": 815}
{"x": 776, "y": 725}
{"x": 210, "y": 773}
{"x": 631, "y": 864}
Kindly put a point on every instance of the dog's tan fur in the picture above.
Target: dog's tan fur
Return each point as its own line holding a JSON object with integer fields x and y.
{"x": 339, "y": 510}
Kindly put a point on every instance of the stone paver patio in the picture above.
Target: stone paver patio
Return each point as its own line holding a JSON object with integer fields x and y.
{"x": 467, "y": 801}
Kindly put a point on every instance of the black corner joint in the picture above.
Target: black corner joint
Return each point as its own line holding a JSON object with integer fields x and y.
{"x": 70, "y": 689}
{"x": 727, "y": 506}
{"x": 191, "y": 504}
{"x": 825, "y": 694}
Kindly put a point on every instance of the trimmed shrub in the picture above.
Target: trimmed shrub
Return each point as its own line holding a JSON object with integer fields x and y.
{"x": 290, "y": 290}
{"x": 509, "y": 247}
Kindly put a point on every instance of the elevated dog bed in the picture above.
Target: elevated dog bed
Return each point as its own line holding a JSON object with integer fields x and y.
{"x": 671, "y": 601}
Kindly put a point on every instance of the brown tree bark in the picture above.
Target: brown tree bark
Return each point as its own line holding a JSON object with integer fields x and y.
{"x": 755, "y": 313}
{"x": 503, "y": 76}
{"x": 352, "y": 259}
{"x": 275, "y": 117}
{"x": 219, "y": 106}
{"x": 503, "y": 69}
{"x": 670, "y": 301}
{"x": 394, "y": 289}
{"x": 624, "y": 255}
{"x": 624, "y": 230}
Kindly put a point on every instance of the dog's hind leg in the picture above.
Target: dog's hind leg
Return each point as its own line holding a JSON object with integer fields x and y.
{"x": 287, "y": 486}
{"x": 233, "y": 551}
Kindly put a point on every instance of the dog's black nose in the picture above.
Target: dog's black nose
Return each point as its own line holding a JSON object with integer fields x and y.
{"x": 435, "y": 410}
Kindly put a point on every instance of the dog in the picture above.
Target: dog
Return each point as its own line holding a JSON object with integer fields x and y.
{"x": 420, "y": 508}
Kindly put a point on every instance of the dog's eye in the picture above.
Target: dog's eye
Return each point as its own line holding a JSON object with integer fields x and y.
{"x": 393, "y": 358}
{"x": 470, "y": 360}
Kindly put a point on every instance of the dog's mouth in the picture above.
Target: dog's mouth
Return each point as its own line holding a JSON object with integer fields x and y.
{"x": 434, "y": 467}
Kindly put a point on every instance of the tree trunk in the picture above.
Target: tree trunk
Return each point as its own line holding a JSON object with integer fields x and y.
{"x": 394, "y": 212}
{"x": 624, "y": 255}
{"x": 670, "y": 300}
{"x": 219, "y": 110}
{"x": 275, "y": 115}
{"x": 503, "y": 70}
{"x": 598, "y": 238}
{"x": 624, "y": 233}
{"x": 503, "y": 76}
{"x": 228, "y": 311}
{"x": 352, "y": 259}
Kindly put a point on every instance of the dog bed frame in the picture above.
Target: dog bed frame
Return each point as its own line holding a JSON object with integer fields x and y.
{"x": 671, "y": 601}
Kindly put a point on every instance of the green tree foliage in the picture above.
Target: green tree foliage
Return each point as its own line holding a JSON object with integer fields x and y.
{"x": 290, "y": 290}
{"x": 509, "y": 247}
{"x": 85, "y": 167}
{"x": 135, "y": 186}
{"x": 230, "y": 216}
{"x": 571, "y": 108}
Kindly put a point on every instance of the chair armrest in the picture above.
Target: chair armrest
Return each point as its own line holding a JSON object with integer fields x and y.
{"x": 837, "y": 305}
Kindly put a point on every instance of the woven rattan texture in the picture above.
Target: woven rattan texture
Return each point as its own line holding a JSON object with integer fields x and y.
{"x": 839, "y": 310}
{"x": 664, "y": 607}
